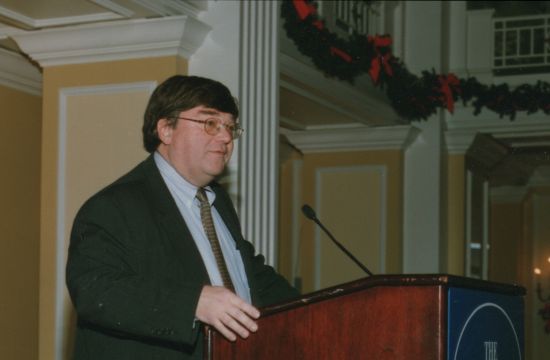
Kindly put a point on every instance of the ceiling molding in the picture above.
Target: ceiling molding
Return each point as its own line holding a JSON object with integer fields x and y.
{"x": 114, "y": 7}
{"x": 172, "y": 7}
{"x": 292, "y": 124}
{"x": 458, "y": 142}
{"x": 177, "y": 35}
{"x": 461, "y": 133}
{"x": 68, "y": 20}
{"x": 352, "y": 138}
{"x": 7, "y": 31}
{"x": 17, "y": 73}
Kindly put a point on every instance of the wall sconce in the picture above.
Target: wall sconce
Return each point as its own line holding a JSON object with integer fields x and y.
{"x": 545, "y": 311}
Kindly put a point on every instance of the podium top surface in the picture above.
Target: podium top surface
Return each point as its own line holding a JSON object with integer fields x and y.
{"x": 439, "y": 280}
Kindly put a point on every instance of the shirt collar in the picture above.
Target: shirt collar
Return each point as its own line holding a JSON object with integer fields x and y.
{"x": 175, "y": 182}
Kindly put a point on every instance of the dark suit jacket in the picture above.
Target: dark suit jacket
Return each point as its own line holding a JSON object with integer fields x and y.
{"x": 135, "y": 274}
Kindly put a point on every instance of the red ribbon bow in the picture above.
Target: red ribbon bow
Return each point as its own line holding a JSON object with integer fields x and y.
{"x": 446, "y": 83}
{"x": 380, "y": 61}
{"x": 304, "y": 10}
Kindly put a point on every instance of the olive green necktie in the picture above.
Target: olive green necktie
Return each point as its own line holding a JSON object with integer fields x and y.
{"x": 208, "y": 224}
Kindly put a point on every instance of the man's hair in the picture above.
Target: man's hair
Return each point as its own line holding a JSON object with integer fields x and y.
{"x": 180, "y": 93}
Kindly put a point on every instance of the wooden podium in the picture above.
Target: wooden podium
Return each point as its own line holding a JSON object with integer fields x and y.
{"x": 405, "y": 317}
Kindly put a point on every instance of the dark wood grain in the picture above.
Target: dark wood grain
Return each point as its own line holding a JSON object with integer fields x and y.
{"x": 381, "y": 317}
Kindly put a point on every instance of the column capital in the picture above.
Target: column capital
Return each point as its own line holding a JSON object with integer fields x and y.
{"x": 356, "y": 137}
{"x": 17, "y": 73}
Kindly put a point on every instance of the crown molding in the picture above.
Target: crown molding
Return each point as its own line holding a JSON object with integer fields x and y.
{"x": 289, "y": 123}
{"x": 177, "y": 35}
{"x": 114, "y": 7}
{"x": 461, "y": 133}
{"x": 458, "y": 142}
{"x": 8, "y": 31}
{"x": 171, "y": 7}
{"x": 17, "y": 73}
{"x": 352, "y": 138}
{"x": 41, "y": 23}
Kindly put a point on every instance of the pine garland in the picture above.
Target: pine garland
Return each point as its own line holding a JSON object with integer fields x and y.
{"x": 412, "y": 97}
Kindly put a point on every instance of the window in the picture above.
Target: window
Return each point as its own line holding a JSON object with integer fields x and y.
{"x": 522, "y": 45}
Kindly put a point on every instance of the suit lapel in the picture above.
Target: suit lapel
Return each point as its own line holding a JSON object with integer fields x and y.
{"x": 170, "y": 220}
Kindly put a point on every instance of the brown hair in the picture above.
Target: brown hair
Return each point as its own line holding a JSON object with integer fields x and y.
{"x": 180, "y": 93}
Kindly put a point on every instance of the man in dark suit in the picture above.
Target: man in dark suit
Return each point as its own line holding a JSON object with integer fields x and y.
{"x": 159, "y": 252}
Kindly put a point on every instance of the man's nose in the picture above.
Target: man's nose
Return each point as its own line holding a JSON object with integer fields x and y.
{"x": 225, "y": 133}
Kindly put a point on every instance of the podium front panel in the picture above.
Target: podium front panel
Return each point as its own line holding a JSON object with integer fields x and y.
{"x": 382, "y": 323}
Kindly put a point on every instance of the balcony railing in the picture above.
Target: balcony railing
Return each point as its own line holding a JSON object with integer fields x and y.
{"x": 522, "y": 44}
{"x": 345, "y": 17}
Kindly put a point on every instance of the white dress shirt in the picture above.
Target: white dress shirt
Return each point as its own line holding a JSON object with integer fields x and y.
{"x": 184, "y": 194}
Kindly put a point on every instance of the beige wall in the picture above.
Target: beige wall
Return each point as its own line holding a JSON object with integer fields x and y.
{"x": 506, "y": 231}
{"x": 354, "y": 193}
{"x": 100, "y": 119}
{"x": 455, "y": 215}
{"x": 309, "y": 164}
{"x": 20, "y": 225}
{"x": 519, "y": 233}
{"x": 540, "y": 251}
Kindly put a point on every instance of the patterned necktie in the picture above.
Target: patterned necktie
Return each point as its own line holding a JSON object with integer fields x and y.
{"x": 208, "y": 224}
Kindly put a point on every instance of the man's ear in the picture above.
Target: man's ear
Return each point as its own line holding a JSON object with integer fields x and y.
{"x": 164, "y": 131}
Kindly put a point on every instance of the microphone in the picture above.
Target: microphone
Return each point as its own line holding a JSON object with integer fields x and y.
{"x": 310, "y": 214}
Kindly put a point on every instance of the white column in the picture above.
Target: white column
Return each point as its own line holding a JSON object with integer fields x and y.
{"x": 258, "y": 151}
{"x": 423, "y": 193}
{"x": 218, "y": 59}
{"x": 241, "y": 51}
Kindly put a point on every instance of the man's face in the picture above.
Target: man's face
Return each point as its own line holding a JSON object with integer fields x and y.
{"x": 198, "y": 156}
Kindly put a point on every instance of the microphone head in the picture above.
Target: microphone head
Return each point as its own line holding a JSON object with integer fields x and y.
{"x": 309, "y": 212}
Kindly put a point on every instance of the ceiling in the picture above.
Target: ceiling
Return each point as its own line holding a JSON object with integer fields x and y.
{"x": 17, "y": 16}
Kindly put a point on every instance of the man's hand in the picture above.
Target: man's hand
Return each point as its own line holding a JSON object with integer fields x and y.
{"x": 228, "y": 313}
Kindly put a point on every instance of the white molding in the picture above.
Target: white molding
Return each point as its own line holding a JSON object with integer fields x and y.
{"x": 61, "y": 255}
{"x": 17, "y": 73}
{"x": 178, "y": 35}
{"x": 460, "y": 133}
{"x": 353, "y": 138}
{"x": 7, "y": 31}
{"x": 171, "y": 7}
{"x": 458, "y": 142}
{"x": 289, "y": 123}
{"x": 114, "y": 7}
{"x": 259, "y": 147}
{"x": 40, "y": 23}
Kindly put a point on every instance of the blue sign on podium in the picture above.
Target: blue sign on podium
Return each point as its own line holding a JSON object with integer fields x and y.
{"x": 484, "y": 325}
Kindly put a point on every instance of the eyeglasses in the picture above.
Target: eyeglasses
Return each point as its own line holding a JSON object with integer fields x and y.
{"x": 213, "y": 126}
